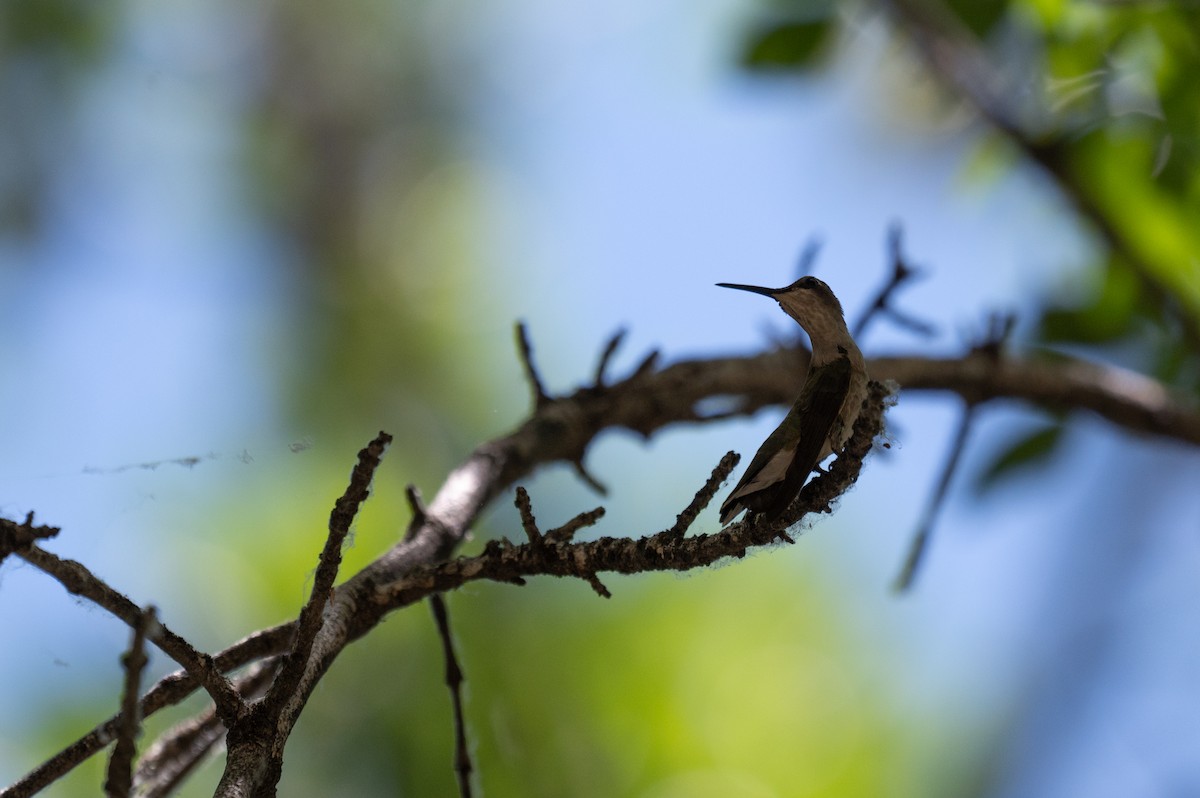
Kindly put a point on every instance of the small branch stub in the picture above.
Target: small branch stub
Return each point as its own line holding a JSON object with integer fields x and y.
{"x": 525, "y": 350}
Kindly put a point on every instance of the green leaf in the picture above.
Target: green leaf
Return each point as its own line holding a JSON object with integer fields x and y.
{"x": 787, "y": 45}
{"x": 981, "y": 16}
{"x": 76, "y": 28}
{"x": 1108, "y": 317}
{"x": 1033, "y": 449}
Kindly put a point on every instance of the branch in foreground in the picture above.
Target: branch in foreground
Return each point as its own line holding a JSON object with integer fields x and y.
{"x": 79, "y": 581}
{"x": 645, "y": 402}
{"x": 180, "y": 750}
{"x": 684, "y": 520}
{"x": 502, "y": 561}
{"x": 454, "y": 680}
{"x": 119, "y": 779}
{"x": 14, "y": 536}
{"x": 344, "y": 511}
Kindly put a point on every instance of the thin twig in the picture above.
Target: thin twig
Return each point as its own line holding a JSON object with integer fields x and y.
{"x": 606, "y": 356}
{"x": 649, "y": 362}
{"x": 589, "y": 480}
{"x": 454, "y": 680}
{"x": 990, "y": 344}
{"x": 345, "y": 509}
{"x": 920, "y": 542}
{"x": 177, "y": 754}
{"x": 416, "y": 504}
{"x": 528, "y": 522}
{"x": 169, "y": 691}
{"x": 525, "y": 350}
{"x": 902, "y": 272}
{"x": 720, "y": 473}
{"x": 78, "y": 580}
{"x": 118, "y": 780}
{"x": 566, "y": 532}
{"x": 592, "y": 579}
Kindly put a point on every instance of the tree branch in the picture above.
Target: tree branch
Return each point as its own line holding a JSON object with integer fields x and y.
{"x": 118, "y": 780}
{"x": 454, "y": 680}
{"x": 644, "y": 402}
{"x": 668, "y": 550}
{"x": 340, "y": 519}
{"x": 79, "y": 581}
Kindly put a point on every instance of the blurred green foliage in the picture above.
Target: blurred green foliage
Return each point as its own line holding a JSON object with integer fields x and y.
{"x": 787, "y": 45}
{"x": 49, "y": 29}
{"x": 45, "y": 46}
{"x": 794, "y": 37}
{"x": 1106, "y": 93}
{"x": 1027, "y": 450}
{"x": 738, "y": 681}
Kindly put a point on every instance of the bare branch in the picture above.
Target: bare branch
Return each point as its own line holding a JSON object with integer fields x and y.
{"x": 720, "y": 473}
{"x": 169, "y": 691}
{"x": 648, "y": 364}
{"x": 344, "y": 511}
{"x": 592, "y": 579}
{"x": 920, "y": 543}
{"x": 118, "y": 780}
{"x": 1127, "y": 399}
{"x": 665, "y": 551}
{"x": 566, "y": 532}
{"x": 178, "y": 751}
{"x": 990, "y": 344}
{"x": 177, "y": 754}
{"x": 525, "y": 350}
{"x": 610, "y": 349}
{"x": 525, "y": 508}
{"x": 644, "y": 402}
{"x": 902, "y": 272}
{"x": 454, "y": 680}
{"x": 79, "y": 581}
{"x": 417, "y": 505}
{"x": 589, "y": 480}
{"x": 14, "y": 536}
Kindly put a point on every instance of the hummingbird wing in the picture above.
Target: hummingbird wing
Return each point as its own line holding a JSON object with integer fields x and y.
{"x": 784, "y": 461}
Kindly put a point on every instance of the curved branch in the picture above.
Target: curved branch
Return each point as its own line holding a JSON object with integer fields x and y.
{"x": 562, "y": 428}
{"x": 1127, "y": 399}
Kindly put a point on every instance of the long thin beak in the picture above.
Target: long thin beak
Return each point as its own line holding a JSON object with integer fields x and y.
{"x": 771, "y": 292}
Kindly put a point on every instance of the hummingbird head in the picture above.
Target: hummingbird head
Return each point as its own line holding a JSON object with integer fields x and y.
{"x": 808, "y": 300}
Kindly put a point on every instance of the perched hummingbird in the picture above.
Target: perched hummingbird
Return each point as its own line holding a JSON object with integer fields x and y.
{"x": 821, "y": 420}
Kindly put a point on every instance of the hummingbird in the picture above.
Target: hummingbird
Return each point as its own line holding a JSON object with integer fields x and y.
{"x": 822, "y": 418}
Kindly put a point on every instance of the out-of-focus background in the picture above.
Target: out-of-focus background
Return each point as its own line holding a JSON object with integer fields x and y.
{"x": 238, "y": 239}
